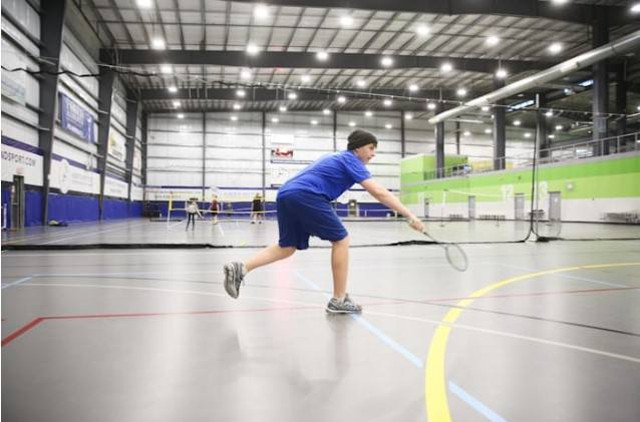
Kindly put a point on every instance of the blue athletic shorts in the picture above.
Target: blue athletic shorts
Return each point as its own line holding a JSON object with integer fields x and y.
{"x": 303, "y": 214}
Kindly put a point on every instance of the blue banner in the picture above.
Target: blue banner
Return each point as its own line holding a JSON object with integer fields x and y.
{"x": 76, "y": 119}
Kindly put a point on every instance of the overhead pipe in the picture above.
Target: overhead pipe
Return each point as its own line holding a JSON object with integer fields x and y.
{"x": 618, "y": 47}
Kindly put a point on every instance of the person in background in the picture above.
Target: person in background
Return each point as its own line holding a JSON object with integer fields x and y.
{"x": 214, "y": 208}
{"x": 192, "y": 210}
{"x": 256, "y": 209}
{"x": 304, "y": 210}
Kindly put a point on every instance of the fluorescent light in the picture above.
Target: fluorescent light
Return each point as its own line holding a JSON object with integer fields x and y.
{"x": 527, "y": 135}
{"x": 388, "y": 126}
{"x": 446, "y": 67}
{"x": 352, "y": 124}
{"x": 422, "y": 30}
{"x": 361, "y": 83}
{"x": 322, "y": 55}
{"x": 314, "y": 122}
{"x": 166, "y": 68}
{"x": 559, "y": 127}
{"x": 387, "y": 102}
{"x": 552, "y": 136}
{"x": 635, "y": 8}
{"x": 346, "y": 21}
{"x": 261, "y": 11}
{"x": 431, "y": 106}
{"x": 501, "y": 74}
{"x": 234, "y": 118}
{"x": 487, "y": 131}
{"x": 586, "y": 83}
{"x": 144, "y": 4}
{"x": 368, "y": 113}
{"x": 492, "y": 40}
{"x": 245, "y": 74}
{"x": 413, "y": 87}
{"x": 326, "y": 111}
{"x": 173, "y": 89}
{"x": 549, "y": 113}
{"x": 342, "y": 99}
{"x": 461, "y": 92}
{"x": 292, "y": 96}
{"x": 237, "y": 106}
{"x": 555, "y": 48}
{"x": 305, "y": 78}
{"x": 180, "y": 116}
{"x": 386, "y": 61}
{"x": 282, "y": 108}
{"x": 408, "y": 116}
{"x": 176, "y": 104}
{"x": 522, "y": 105}
{"x": 252, "y": 49}
{"x": 559, "y": 1}
{"x": 484, "y": 108}
{"x": 241, "y": 93}
{"x": 274, "y": 120}
{"x": 517, "y": 122}
{"x": 467, "y": 133}
{"x": 158, "y": 44}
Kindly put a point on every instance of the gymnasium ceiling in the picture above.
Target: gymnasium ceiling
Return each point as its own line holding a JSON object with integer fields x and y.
{"x": 205, "y": 50}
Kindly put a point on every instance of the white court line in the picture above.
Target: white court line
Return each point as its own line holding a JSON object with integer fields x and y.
{"x": 382, "y": 314}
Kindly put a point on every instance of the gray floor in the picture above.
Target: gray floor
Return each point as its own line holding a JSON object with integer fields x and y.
{"x": 551, "y": 332}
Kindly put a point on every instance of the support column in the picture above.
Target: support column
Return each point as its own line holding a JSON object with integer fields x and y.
{"x": 51, "y": 26}
{"x": 204, "y": 154}
{"x": 132, "y": 119}
{"x": 144, "y": 125}
{"x": 457, "y": 138}
{"x": 499, "y": 132}
{"x": 542, "y": 139}
{"x": 105, "y": 96}
{"x": 621, "y": 99}
{"x": 402, "y": 140}
{"x": 264, "y": 154}
{"x": 600, "y": 30}
{"x": 335, "y": 130}
{"x": 439, "y": 142}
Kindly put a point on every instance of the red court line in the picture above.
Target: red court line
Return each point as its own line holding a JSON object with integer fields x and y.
{"x": 38, "y": 320}
{"x": 8, "y": 339}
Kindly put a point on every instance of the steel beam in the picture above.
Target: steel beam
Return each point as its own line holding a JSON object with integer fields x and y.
{"x": 287, "y": 59}
{"x": 578, "y": 13}
{"x": 51, "y": 25}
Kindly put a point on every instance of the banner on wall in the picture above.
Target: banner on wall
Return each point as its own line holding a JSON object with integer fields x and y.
{"x": 117, "y": 146}
{"x": 116, "y": 188}
{"x": 69, "y": 177}
{"x": 75, "y": 119}
{"x": 14, "y": 83}
{"x": 137, "y": 159}
{"x": 21, "y": 163}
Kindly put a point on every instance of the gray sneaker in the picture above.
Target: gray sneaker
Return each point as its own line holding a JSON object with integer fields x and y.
{"x": 346, "y": 306}
{"x": 234, "y": 273}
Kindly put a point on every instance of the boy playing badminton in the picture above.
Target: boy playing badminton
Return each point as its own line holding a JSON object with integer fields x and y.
{"x": 304, "y": 210}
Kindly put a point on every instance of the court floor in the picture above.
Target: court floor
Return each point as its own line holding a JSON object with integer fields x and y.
{"x": 531, "y": 332}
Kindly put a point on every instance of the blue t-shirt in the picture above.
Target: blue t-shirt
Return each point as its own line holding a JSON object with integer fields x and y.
{"x": 329, "y": 176}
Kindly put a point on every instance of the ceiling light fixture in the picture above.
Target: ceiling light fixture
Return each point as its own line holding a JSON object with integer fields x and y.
{"x": 386, "y": 61}
{"x": 261, "y": 11}
{"x": 446, "y": 67}
{"x": 173, "y": 89}
{"x": 166, "y": 68}
{"x": 422, "y": 30}
{"x": 252, "y": 49}
{"x": 342, "y": 99}
{"x": 555, "y": 48}
{"x": 322, "y": 56}
{"x": 361, "y": 83}
{"x": 492, "y": 40}
{"x": 387, "y": 102}
{"x": 241, "y": 93}
{"x": 413, "y": 87}
{"x": 292, "y": 96}
{"x": 158, "y": 44}
{"x": 282, "y": 108}
{"x": 346, "y": 21}
{"x": 501, "y": 74}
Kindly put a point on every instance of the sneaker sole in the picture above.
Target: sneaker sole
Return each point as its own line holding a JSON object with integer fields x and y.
{"x": 229, "y": 287}
{"x": 338, "y": 311}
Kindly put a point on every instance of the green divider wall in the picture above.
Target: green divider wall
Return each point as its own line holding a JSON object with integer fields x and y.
{"x": 597, "y": 178}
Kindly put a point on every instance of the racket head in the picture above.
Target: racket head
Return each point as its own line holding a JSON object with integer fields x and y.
{"x": 456, "y": 257}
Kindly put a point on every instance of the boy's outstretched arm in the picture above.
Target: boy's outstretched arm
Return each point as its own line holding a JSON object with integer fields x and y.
{"x": 387, "y": 198}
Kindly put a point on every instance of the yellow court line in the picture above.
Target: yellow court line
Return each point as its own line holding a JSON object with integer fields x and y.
{"x": 435, "y": 383}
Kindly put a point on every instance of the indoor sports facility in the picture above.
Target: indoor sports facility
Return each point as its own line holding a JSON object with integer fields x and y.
{"x": 147, "y": 149}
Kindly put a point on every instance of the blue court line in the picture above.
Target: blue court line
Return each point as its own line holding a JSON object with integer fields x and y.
{"x": 475, "y": 403}
{"x": 15, "y": 283}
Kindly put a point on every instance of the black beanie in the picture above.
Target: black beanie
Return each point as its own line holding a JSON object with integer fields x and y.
{"x": 359, "y": 138}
